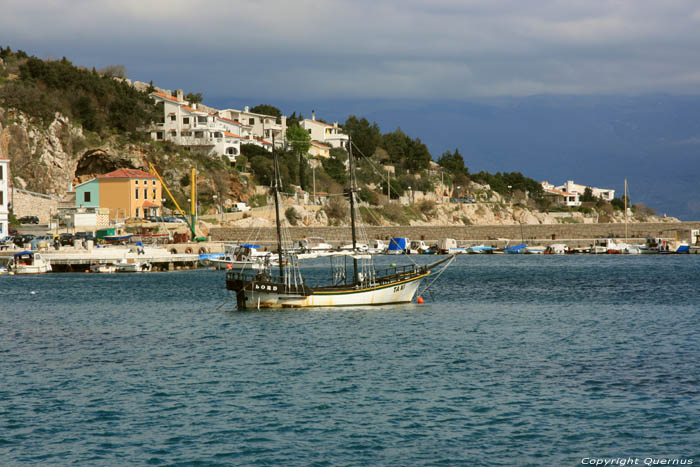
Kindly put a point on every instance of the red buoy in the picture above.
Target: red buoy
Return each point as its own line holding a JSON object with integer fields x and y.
{"x": 420, "y": 300}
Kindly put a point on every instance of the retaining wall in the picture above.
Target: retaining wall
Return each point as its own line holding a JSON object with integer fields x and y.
{"x": 543, "y": 233}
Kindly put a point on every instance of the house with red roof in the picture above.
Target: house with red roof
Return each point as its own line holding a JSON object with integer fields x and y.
{"x": 214, "y": 132}
{"x": 125, "y": 192}
{"x": 560, "y": 197}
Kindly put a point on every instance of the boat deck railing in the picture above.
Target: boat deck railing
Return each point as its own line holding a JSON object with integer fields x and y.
{"x": 378, "y": 276}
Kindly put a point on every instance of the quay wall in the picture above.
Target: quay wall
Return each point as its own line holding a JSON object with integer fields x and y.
{"x": 542, "y": 233}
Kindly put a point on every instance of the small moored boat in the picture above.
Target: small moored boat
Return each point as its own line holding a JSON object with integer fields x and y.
{"x": 28, "y": 262}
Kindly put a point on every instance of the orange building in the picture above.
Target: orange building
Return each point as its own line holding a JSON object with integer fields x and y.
{"x": 130, "y": 193}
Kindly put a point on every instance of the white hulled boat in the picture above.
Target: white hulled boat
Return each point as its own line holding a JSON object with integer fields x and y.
{"x": 28, "y": 262}
{"x": 286, "y": 288}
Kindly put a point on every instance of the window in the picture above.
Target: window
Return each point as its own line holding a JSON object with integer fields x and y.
{"x": 172, "y": 117}
{"x": 154, "y": 193}
{"x": 2, "y": 200}
{"x": 173, "y": 132}
{"x": 154, "y": 183}
{"x": 145, "y": 193}
{"x": 186, "y": 133}
{"x": 198, "y": 134}
{"x": 159, "y": 135}
{"x": 186, "y": 120}
{"x": 86, "y": 197}
{"x": 136, "y": 182}
{"x": 201, "y": 119}
{"x": 136, "y": 193}
{"x": 251, "y": 121}
{"x": 1, "y": 172}
{"x": 138, "y": 211}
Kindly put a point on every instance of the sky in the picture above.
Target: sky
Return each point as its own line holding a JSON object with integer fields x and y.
{"x": 438, "y": 49}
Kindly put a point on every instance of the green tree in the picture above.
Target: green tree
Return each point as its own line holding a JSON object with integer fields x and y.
{"x": 364, "y": 135}
{"x": 300, "y": 142}
{"x": 266, "y": 109}
{"x": 335, "y": 169}
{"x": 587, "y": 195}
{"x": 194, "y": 98}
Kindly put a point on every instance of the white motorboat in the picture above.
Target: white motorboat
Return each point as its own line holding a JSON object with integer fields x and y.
{"x": 103, "y": 268}
{"x": 28, "y": 262}
{"x": 133, "y": 265}
{"x": 314, "y": 244}
{"x": 241, "y": 257}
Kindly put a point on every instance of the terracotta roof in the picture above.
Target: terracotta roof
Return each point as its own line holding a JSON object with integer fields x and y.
{"x": 127, "y": 173}
{"x": 164, "y": 96}
{"x": 320, "y": 145}
{"x": 232, "y": 135}
{"x": 148, "y": 204}
{"x": 3, "y": 157}
{"x": 558, "y": 192}
{"x": 229, "y": 120}
{"x": 320, "y": 123}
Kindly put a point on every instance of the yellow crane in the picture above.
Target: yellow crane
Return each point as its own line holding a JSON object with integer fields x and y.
{"x": 179, "y": 209}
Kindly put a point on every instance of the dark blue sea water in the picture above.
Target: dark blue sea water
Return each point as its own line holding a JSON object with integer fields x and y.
{"x": 513, "y": 360}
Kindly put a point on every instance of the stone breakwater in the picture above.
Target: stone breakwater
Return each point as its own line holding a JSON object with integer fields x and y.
{"x": 574, "y": 234}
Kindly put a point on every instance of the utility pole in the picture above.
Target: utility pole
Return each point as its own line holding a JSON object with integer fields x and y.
{"x": 313, "y": 174}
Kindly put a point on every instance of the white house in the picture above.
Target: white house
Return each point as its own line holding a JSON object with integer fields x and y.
{"x": 563, "y": 198}
{"x": 324, "y": 132}
{"x": 603, "y": 193}
{"x": 198, "y": 126}
{"x": 262, "y": 127}
{"x": 4, "y": 196}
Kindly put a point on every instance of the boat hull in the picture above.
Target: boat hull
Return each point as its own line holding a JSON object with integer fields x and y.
{"x": 268, "y": 295}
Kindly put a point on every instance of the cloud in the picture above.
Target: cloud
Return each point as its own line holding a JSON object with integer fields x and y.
{"x": 380, "y": 48}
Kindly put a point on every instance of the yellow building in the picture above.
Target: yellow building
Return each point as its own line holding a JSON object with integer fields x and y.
{"x": 130, "y": 193}
{"x": 317, "y": 149}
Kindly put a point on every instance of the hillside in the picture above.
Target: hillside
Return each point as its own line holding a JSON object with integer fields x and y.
{"x": 61, "y": 125}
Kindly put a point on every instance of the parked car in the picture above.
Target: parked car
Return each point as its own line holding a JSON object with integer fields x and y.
{"x": 21, "y": 239}
{"x": 29, "y": 220}
{"x": 180, "y": 220}
{"x": 157, "y": 219}
{"x": 67, "y": 239}
{"x": 79, "y": 236}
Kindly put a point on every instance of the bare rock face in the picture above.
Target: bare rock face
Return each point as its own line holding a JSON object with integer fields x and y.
{"x": 52, "y": 159}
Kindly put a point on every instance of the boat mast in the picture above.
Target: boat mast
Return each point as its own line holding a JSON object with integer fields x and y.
{"x": 352, "y": 209}
{"x": 625, "y": 210}
{"x": 276, "y": 190}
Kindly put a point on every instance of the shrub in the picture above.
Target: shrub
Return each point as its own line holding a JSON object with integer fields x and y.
{"x": 292, "y": 215}
{"x": 337, "y": 208}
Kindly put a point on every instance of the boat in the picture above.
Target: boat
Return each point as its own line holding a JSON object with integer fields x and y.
{"x": 557, "y": 249}
{"x": 535, "y": 250}
{"x": 656, "y": 245}
{"x": 314, "y": 244}
{"x": 132, "y": 265}
{"x": 364, "y": 285}
{"x": 241, "y": 257}
{"x": 515, "y": 249}
{"x": 479, "y": 249}
{"x": 117, "y": 239}
{"x": 377, "y": 247}
{"x": 28, "y": 262}
{"x": 448, "y": 246}
{"x": 103, "y": 268}
{"x": 418, "y": 247}
{"x": 398, "y": 246}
